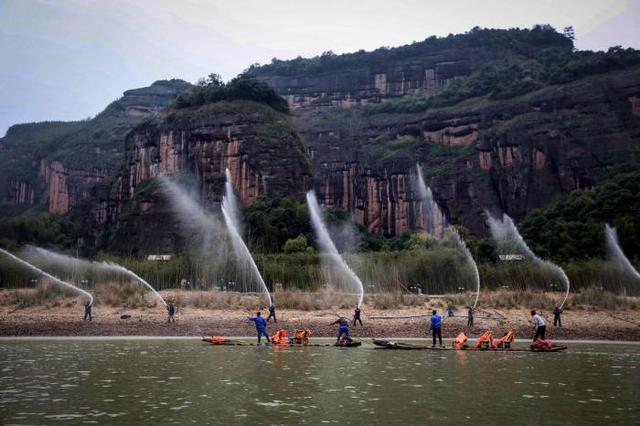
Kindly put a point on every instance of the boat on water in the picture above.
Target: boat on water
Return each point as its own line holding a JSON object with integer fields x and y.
{"x": 223, "y": 341}
{"x": 388, "y": 344}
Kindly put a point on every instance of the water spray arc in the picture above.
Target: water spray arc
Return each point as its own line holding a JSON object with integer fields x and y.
{"x": 613, "y": 245}
{"x": 51, "y": 277}
{"x": 230, "y": 214}
{"x": 505, "y": 230}
{"x": 329, "y": 248}
{"x": 436, "y": 220}
{"x": 64, "y": 260}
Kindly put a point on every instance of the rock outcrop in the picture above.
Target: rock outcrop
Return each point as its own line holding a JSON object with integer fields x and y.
{"x": 510, "y": 155}
{"x": 258, "y": 145}
{"x": 424, "y": 68}
{"x": 53, "y": 166}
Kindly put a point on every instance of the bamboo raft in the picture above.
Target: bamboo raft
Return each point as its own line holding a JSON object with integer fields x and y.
{"x": 387, "y": 344}
{"x": 226, "y": 342}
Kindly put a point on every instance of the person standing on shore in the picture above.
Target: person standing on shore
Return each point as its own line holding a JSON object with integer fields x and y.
{"x": 171, "y": 311}
{"x": 539, "y": 324}
{"x": 87, "y": 311}
{"x": 356, "y": 316}
{"x": 470, "y": 317}
{"x": 261, "y": 326}
{"x": 436, "y": 327}
{"x": 557, "y": 321}
{"x": 272, "y": 313}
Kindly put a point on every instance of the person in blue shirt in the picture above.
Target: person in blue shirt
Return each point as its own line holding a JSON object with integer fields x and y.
{"x": 436, "y": 326}
{"x": 261, "y": 326}
{"x": 343, "y": 329}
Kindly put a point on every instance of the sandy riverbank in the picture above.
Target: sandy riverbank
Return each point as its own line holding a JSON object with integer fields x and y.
{"x": 67, "y": 321}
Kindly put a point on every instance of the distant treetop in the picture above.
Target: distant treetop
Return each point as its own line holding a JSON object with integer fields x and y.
{"x": 540, "y": 37}
{"x": 212, "y": 89}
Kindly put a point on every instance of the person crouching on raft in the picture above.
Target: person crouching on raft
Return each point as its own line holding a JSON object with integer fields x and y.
{"x": 261, "y": 326}
{"x": 344, "y": 328}
{"x": 436, "y": 327}
{"x": 539, "y": 324}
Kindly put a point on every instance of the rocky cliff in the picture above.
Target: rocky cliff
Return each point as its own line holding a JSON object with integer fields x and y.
{"x": 511, "y": 155}
{"x": 53, "y": 166}
{"x": 424, "y": 68}
{"x": 258, "y": 145}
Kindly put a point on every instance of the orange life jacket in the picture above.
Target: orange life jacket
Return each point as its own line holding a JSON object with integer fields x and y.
{"x": 216, "y": 339}
{"x": 485, "y": 339}
{"x": 280, "y": 338}
{"x": 301, "y": 335}
{"x": 460, "y": 341}
{"x": 508, "y": 338}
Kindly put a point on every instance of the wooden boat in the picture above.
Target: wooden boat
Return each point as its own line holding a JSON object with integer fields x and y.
{"x": 387, "y": 344}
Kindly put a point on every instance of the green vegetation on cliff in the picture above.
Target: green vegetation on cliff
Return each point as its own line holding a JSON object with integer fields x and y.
{"x": 523, "y": 40}
{"x": 508, "y": 78}
{"x": 240, "y": 88}
{"x": 573, "y": 227}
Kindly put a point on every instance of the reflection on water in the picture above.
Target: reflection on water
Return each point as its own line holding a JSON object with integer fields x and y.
{"x": 181, "y": 381}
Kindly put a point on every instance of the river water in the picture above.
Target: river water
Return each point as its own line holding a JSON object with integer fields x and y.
{"x": 164, "y": 381}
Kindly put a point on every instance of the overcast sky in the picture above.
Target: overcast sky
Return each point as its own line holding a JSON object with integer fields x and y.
{"x": 67, "y": 59}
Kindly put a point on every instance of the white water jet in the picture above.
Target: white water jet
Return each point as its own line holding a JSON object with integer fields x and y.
{"x": 51, "y": 277}
{"x": 459, "y": 242}
{"x": 328, "y": 247}
{"x": 504, "y": 230}
{"x": 72, "y": 262}
{"x": 435, "y": 220}
{"x": 613, "y": 246}
{"x": 434, "y": 214}
{"x": 230, "y": 214}
{"x": 193, "y": 215}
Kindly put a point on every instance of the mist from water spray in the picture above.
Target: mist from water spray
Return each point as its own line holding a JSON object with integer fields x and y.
{"x": 435, "y": 217}
{"x": 613, "y": 246}
{"x": 328, "y": 247}
{"x": 38, "y": 253}
{"x": 504, "y": 230}
{"x": 232, "y": 220}
{"x": 51, "y": 277}
{"x": 193, "y": 215}
{"x": 435, "y": 220}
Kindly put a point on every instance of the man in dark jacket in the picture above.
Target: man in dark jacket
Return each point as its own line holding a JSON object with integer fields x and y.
{"x": 272, "y": 313}
{"x": 470, "y": 317}
{"x": 356, "y": 316}
{"x": 557, "y": 321}
{"x": 87, "y": 311}
{"x": 171, "y": 310}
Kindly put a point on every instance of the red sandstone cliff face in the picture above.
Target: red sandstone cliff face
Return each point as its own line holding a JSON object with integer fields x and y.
{"x": 56, "y": 164}
{"x": 258, "y": 145}
{"x": 514, "y": 155}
